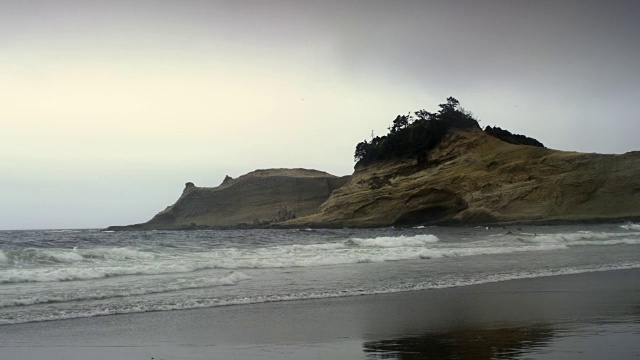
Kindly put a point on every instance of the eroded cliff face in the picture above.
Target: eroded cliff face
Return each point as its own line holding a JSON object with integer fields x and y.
{"x": 471, "y": 177}
{"x": 259, "y": 198}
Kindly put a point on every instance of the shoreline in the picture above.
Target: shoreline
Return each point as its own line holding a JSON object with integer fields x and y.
{"x": 347, "y": 327}
{"x": 453, "y": 224}
{"x": 345, "y": 294}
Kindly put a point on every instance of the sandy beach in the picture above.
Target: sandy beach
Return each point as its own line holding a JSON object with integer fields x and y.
{"x": 582, "y": 316}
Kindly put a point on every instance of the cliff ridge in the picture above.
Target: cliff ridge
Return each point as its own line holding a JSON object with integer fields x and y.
{"x": 256, "y": 199}
{"x": 472, "y": 177}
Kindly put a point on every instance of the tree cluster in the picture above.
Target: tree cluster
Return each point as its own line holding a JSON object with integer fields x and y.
{"x": 413, "y": 137}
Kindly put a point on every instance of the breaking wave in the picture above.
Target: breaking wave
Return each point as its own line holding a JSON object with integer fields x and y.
{"x": 232, "y": 278}
{"x": 71, "y": 256}
{"x": 586, "y": 238}
{"x": 395, "y": 242}
{"x": 46, "y": 265}
{"x": 631, "y": 227}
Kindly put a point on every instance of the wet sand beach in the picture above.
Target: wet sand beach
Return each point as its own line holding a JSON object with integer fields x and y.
{"x": 583, "y": 316}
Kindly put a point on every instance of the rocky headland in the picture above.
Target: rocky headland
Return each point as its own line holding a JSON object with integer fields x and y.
{"x": 440, "y": 168}
{"x": 474, "y": 178}
{"x": 257, "y": 199}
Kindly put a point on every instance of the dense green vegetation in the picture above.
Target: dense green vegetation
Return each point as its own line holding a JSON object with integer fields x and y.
{"x": 507, "y": 136}
{"x": 413, "y": 137}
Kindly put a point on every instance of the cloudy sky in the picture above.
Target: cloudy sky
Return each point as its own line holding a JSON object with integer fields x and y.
{"x": 108, "y": 107}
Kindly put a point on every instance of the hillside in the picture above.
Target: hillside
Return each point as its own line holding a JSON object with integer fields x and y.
{"x": 472, "y": 177}
{"x": 259, "y": 198}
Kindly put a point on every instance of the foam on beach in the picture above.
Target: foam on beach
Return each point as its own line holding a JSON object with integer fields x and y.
{"x": 266, "y": 298}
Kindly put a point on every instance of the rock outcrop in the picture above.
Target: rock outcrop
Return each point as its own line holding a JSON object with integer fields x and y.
{"x": 259, "y": 198}
{"x": 465, "y": 176}
{"x": 472, "y": 177}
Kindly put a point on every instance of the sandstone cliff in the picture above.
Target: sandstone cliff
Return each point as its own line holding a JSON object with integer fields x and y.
{"x": 255, "y": 199}
{"x": 442, "y": 170}
{"x": 472, "y": 177}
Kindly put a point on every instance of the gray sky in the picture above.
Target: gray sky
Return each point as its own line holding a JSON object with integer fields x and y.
{"x": 108, "y": 107}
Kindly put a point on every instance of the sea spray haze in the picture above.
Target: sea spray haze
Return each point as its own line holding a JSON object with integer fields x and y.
{"x": 47, "y": 275}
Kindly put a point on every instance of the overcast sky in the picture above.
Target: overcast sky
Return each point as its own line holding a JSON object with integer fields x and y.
{"x": 108, "y": 107}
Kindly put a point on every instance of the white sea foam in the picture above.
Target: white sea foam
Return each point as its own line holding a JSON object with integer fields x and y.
{"x": 70, "y": 256}
{"x": 33, "y": 255}
{"x": 312, "y": 247}
{"x": 631, "y": 227}
{"x": 588, "y": 238}
{"x": 97, "y": 263}
{"x": 397, "y": 241}
{"x": 264, "y": 298}
{"x": 119, "y": 253}
{"x": 61, "y": 256}
{"x": 608, "y": 242}
{"x": 91, "y": 273}
{"x": 3, "y": 258}
{"x": 232, "y": 278}
{"x": 474, "y": 251}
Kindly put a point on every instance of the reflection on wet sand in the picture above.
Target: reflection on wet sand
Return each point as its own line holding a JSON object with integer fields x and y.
{"x": 505, "y": 343}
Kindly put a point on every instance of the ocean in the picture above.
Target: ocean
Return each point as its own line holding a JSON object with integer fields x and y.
{"x": 63, "y": 274}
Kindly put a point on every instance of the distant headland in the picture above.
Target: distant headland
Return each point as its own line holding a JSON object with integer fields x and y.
{"x": 431, "y": 168}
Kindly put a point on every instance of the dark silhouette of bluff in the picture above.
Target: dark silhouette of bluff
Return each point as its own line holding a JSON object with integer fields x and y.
{"x": 431, "y": 168}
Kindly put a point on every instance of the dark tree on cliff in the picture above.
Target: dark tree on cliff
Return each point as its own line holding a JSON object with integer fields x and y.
{"x": 425, "y": 115}
{"x": 507, "y": 136}
{"x": 451, "y": 105}
{"x": 362, "y": 149}
{"x": 410, "y": 138}
{"x": 401, "y": 122}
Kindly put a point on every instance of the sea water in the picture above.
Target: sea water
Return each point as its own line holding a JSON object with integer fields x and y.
{"x": 60, "y": 274}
